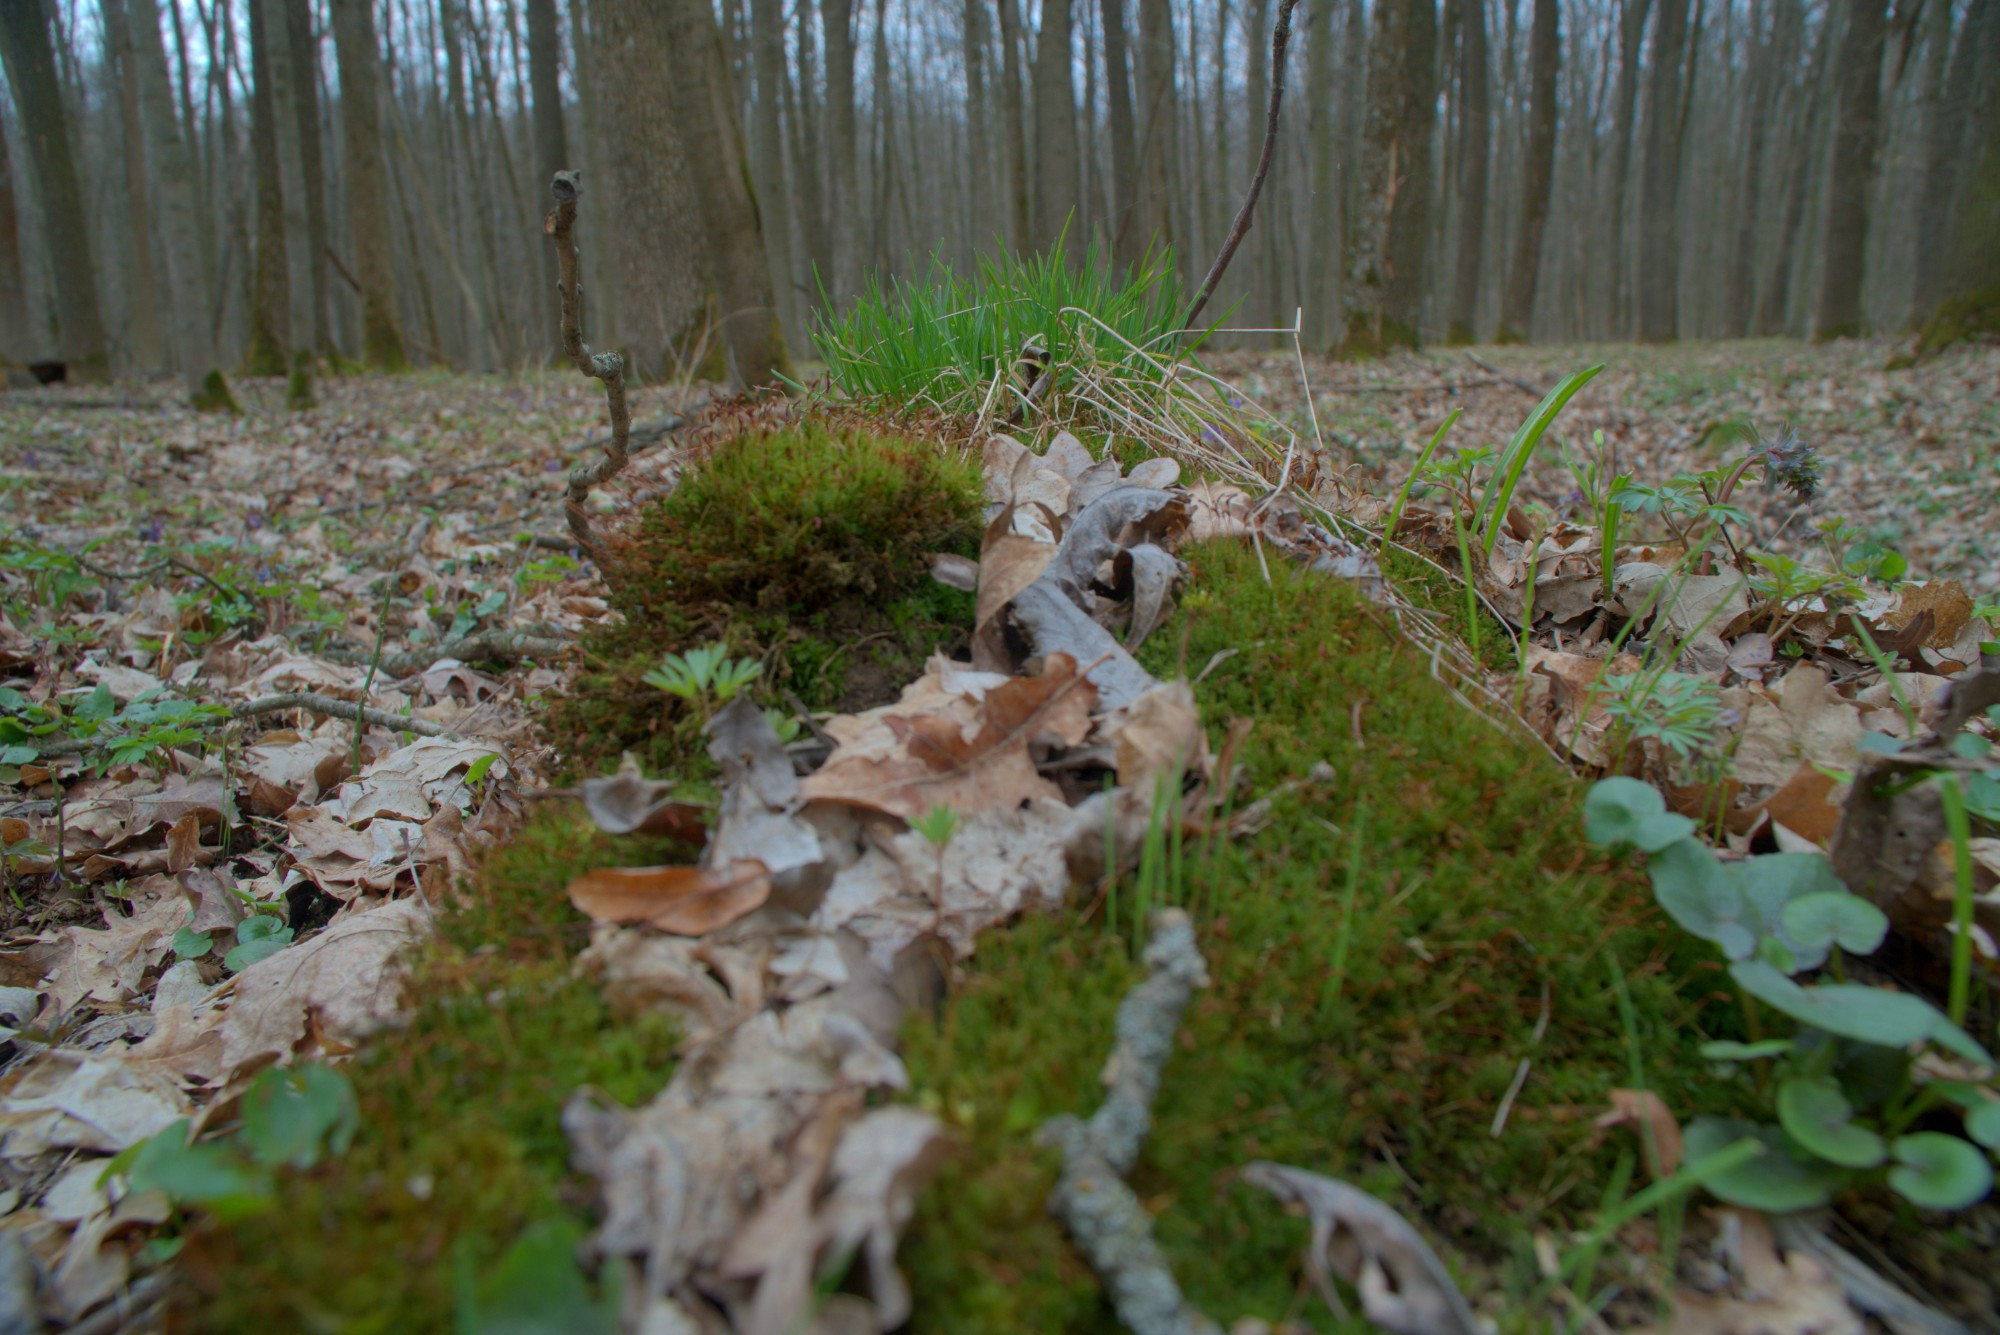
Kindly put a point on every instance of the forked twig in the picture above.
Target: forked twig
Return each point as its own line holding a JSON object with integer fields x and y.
{"x": 560, "y": 227}
{"x": 1280, "y": 39}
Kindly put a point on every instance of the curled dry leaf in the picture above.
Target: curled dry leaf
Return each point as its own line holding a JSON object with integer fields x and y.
{"x": 687, "y": 901}
{"x": 66, "y": 1100}
{"x": 1655, "y": 1125}
{"x": 629, "y": 803}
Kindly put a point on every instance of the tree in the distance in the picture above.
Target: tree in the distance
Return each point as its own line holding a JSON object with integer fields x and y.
{"x": 1837, "y": 313}
{"x": 1389, "y": 237}
{"x": 367, "y": 190}
{"x": 29, "y": 58}
{"x": 1517, "y": 304}
{"x": 1475, "y": 112}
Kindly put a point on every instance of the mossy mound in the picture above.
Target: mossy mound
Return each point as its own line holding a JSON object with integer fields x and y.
{"x": 807, "y": 549}
{"x": 460, "y": 1149}
{"x": 1385, "y": 952}
{"x": 1971, "y": 316}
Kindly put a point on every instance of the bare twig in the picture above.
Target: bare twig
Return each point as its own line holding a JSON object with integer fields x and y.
{"x": 1280, "y": 39}
{"x": 608, "y": 367}
{"x": 1532, "y": 391}
{"x": 271, "y": 704}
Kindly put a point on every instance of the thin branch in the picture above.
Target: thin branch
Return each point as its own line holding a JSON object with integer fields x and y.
{"x": 271, "y": 704}
{"x": 1280, "y": 39}
{"x": 1531, "y": 391}
{"x": 609, "y": 367}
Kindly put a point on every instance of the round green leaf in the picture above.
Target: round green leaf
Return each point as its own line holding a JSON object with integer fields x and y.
{"x": 1614, "y": 808}
{"x": 1867, "y": 1014}
{"x": 1939, "y": 1172}
{"x": 1777, "y": 1182}
{"x": 1818, "y": 1116}
{"x": 1691, "y": 886}
{"x": 289, "y": 1114}
{"x": 246, "y": 953}
{"x": 1983, "y": 1124}
{"x": 1835, "y": 917}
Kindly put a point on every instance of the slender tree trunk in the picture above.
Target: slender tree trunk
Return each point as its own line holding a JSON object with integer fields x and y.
{"x": 144, "y": 339}
{"x": 188, "y": 310}
{"x": 270, "y": 276}
{"x": 17, "y": 343}
{"x": 1951, "y": 113}
{"x": 1127, "y": 240}
{"x": 978, "y": 144}
{"x": 286, "y": 80}
{"x": 767, "y": 45}
{"x": 1855, "y": 132}
{"x": 1972, "y": 259}
{"x": 29, "y": 59}
{"x": 1476, "y": 113}
{"x": 1055, "y": 125}
{"x": 844, "y": 199}
{"x": 1538, "y": 173}
{"x": 305, "y": 69}
{"x": 1391, "y": 234}
{"x": 1774, "y": 302}
{"x": 1739, "y": 301}
{"x": 728, "y": 206}
{"x": 1617, "y": 244}
{"x": 1012, "y": 132}
{"x": 1323, "y": 215}
{"x": 551, "y": 146}
{"x": 367, "y": 188}
{"x": 1659, "y": 206}
{"x": 1159, "y": 145}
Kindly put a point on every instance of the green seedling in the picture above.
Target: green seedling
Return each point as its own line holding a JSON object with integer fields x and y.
{"x": 702, "y": 672}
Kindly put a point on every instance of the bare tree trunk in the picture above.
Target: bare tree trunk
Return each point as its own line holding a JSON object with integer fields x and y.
{"x": 188, "y": 311}
{"x": 144, "y": 339}
{"x": 978, "y": 145}
{"x": 31, "y": 72}
{"x": 1774, "y": 302}
{"x": 305, "y": 72}
{"x": 1659, "y": 206}
{"x": 1159, "y": 145}
{"x": 1740, "y": 299}
{"x": 767, "y": 47}
{"x": 286, "y": 81}
{"x": 16, "y": 341}
{"x": 1324, "y": 211}
{"x": 367, "y": 190}
{"x": 844, "y": 200}
{"x": 1127, "y": 241}
{"x": 1538, "y": 172}
{"x": 1617, "y": 244}
{"x": 1391, "y": 233}
{"x": 659, "y": 255}
{"x": 1012, "y": 131}
{"x": 1475, "y": 112}
{"x": 1972, "y": 260}
{"x": 1055, "y": 125}
{"x": 721, "y": 180}
{"x": 1951, "y": 113}
{"x": 1855, "y": 132}
{"x": 270, "y": 281}
{"x": 551, "y": 145}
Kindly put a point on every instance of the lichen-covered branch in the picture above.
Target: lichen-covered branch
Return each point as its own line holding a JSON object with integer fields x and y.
{"x": 1110, "y": 1225}
{"x": 609, "y": 367}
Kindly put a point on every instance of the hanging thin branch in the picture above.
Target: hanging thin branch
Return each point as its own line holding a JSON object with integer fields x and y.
{"x": 1281, "y": 38}
{"x": 609, "y": 367}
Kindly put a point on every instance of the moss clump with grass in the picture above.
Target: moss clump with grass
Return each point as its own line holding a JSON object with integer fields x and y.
{"x": 1431, "y": 587}
{"x": 806, "y": 549}
{"x": 460, "y": 1147}
{"x": 1383, "y": 953}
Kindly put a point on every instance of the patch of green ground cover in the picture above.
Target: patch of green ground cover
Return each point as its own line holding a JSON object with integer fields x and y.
{"x": 1381, "y": 954}
{"x": 806, "y": 549}
{"x": 1431, "y": 588}
{"x": 460, "y": 1147}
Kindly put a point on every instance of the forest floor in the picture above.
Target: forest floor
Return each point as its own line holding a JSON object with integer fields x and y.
{"x": 272, "y": 684}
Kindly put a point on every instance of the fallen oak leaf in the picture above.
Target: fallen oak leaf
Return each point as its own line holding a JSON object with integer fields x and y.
{"x": 687, "y": 901}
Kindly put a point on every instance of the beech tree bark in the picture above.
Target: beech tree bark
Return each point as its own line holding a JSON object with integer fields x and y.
{"x": 1127, "y": 240}
{"x": 551, "y": 142}
{"x": 1659, "y": 201}
{"x": 1838, "y": 314}
{"x": 16, "y": 342}
{"x": 1475, "y": 113}
{"x": 1055, "y": 125}
{"x": 144, "y": 341}
{"x": 312, "y": 161}
{"x": 1012, "y": 131}
{"x": 270, "y": 277}
{"x": 1537, "y": 173}
{"x": 706, "y": 111}
{"x": 767, "y": 48}
{"x": 367, "y": 189}
{"x": 1390, "y": 236}
{"x": 29, "y": 58}
{"x": 978, "y": 147}
{"x": 1159, "y": 146}
{"x": 843, "y": 195}
{"x": 1321, "y": 296}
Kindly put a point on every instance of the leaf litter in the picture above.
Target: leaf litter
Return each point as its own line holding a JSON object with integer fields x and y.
{"x": 794, "y": 970}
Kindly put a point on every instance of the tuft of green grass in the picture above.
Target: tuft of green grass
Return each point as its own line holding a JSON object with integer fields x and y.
{"x": 460, "y": 1149}
{"x": 807, "y": 550}
{"x": 944, "y": 340}
{"x": 1383, "y": 953}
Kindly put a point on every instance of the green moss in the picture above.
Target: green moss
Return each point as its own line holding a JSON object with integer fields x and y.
{"x": 1430, "y": 587}
{"x": 806, "y": 549}
{"x": 215, "y": 396}
{"x": 1974, "y": 315}
{"x": 461, "y": 1145}
{"x": 1382, "y": 952}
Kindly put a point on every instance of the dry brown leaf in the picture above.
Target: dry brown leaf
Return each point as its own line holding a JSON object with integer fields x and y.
{"x": 939, "y": 764}
{"x": 1658, "y": 1130}
{"x": 1945, "y": 602}
{"x": 687, "y": 901}
{"x": 629, "y": 803}
{"x": 67, "y": 1100}
{"x": 1806, "y": 805}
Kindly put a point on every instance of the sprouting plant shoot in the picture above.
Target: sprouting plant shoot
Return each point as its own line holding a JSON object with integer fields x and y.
{"x": 936, "y": 825}
{"x": 707, "y": 671}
